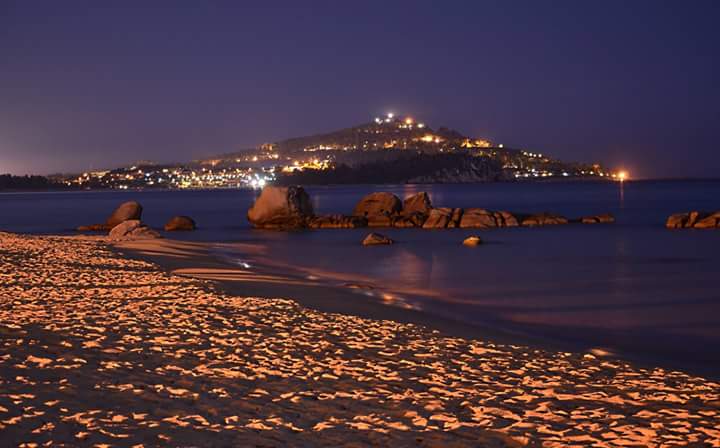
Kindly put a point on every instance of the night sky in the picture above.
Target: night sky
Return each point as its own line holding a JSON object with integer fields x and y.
{"x": 90, "y": 85}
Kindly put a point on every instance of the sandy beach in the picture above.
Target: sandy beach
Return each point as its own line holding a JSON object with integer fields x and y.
{"x": 98, "y": 349}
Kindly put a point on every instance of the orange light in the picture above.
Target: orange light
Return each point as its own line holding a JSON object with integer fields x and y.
{"x": 622, "y": 175}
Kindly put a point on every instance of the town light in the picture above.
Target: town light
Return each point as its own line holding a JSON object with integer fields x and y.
{"x": 622, "y": 175}
{"x": 408, "y": 120}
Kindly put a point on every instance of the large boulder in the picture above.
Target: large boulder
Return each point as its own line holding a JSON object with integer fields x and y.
{"x": 378, "y": 208}
{"x": 477, "y": 218}
{"x": 124, "y": 212}
{"x": 180, "y": 223}
{"x": 438, "y": 218}
{"x": 281, "y": 208}
{"x": 375, "y": 239}
{"x": 132, "y": 229}
{"x": 336, "y": 222}
{"x": 131, "y": 210}
{"x": 417, "y": 203}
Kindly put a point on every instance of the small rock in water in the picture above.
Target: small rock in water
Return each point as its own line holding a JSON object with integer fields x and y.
{"x": 473, "y": 240}
{"x": 177, "y": 223}
{"x": 543, "y": 219}
{"x": 606, "y": 218}
{"x": 374, "y": 239}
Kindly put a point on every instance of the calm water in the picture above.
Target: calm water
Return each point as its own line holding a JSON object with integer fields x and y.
{"x": 632, "y": 286}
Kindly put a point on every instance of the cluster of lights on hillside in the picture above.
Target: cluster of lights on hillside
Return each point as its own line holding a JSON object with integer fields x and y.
{"x": 255, "y": 169}
{"x": 407, "y": 123}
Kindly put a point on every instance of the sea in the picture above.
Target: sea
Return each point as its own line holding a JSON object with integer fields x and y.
{"x": 632, "y": 287}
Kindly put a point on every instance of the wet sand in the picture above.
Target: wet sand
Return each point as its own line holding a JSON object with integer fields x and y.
{"x": 99, "y": 349}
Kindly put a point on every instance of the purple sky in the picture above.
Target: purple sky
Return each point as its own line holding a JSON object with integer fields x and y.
{"x": 100, "y": 84}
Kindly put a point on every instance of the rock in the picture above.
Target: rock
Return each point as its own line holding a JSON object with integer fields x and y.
{"x": 598, "y": 219}
{"x": 336, "y": 222}
{"x": 507, "y": 218}
{"x": 692, "y": 218}
{"x": 180, "y": 223}
{"x": 123, "y": 229}
{"x": 374, "y": 239}
{"x": 708, "y": 222}
{"x": 379, "y": 208}
{"x": 677, "y": 221}
{"x": 543, "y": 219}
{"x": 281, "y": 208}
{"x": 456, "y": 217}
{"x": 418, "y": 203}
{"x": 438, "y": 218}
{"x": 126, "y": 211}
{"x": 416, "y": 219}
{"x": 132, "y": 229}
{"x": 477, "y": 218}
{"x": 473, "y": 240}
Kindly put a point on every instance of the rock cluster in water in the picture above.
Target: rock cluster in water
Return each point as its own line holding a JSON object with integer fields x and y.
{"x": 290, "y": 208}
{"x": 126, "y": 211}
{"x": 694, "y": 219}
{"x": 124, "y": 223}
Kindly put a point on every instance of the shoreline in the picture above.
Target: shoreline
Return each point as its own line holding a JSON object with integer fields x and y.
{"x": 96, "y": 348}
{"x": 358, "y": 296}
{"x": 199, "y": 260}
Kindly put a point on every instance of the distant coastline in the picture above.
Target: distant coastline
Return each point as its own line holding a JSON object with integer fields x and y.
{"x": 568, "y": 180}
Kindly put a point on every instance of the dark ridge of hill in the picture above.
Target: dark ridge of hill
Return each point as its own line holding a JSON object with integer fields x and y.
{"x": 406, "y": 168}
{"x": 11, "y": 182}
{"x": 380, "y": 134}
